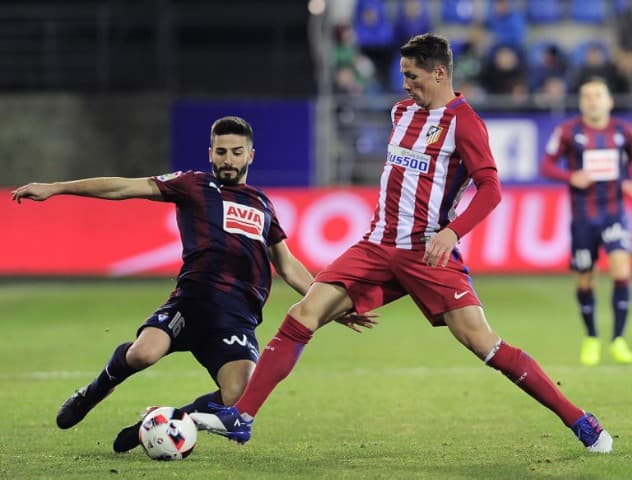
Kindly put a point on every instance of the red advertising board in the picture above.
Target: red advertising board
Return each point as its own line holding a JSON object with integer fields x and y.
{"x": 527, "y": 233}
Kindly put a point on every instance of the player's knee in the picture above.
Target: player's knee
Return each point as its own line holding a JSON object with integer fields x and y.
{"x": 303, "y": 313}
{"x": 139, "y": 357}
{"x": 232, "y": 392}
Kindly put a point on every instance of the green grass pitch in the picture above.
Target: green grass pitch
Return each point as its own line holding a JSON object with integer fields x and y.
{"x": 403, "y": 401}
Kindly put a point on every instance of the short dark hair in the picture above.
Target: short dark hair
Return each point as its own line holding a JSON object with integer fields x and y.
{"x": 595, "y": 79}
{"x": 234, "y": 125}
{"x": 429, "y": 51}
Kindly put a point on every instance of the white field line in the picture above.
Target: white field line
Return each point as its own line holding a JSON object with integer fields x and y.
{"x": 403, "y": 371}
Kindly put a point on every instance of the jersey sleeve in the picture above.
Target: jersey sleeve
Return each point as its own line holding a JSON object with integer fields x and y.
{"x": 556, "y": 148}
{"x": 487, "y": 196}
{"x": 627, "y": 133}
{"x": 276, "y": 233}
{"x": 472, "y": 143}
{"x": 175, "y": 187}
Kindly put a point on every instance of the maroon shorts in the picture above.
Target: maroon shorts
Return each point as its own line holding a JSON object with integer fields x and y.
{"x": 375, "y": 275}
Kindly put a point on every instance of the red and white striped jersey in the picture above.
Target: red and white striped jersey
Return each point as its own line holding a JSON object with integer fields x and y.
{"x": 430, "y": 160}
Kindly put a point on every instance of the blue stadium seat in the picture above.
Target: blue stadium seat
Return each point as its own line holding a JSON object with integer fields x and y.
{"x": 458, "y": 45}
{"x": 578, "y": 54}
{"x": 457, "y": 11}
{"x": 506, "y": 26}
{"x": 410, "y": 22}
{"x": 589, "y": 11}
{"x": 544, "y": 11}
{"x": 536, "y": 51}
{"x": 546, "y": 58}
{"x": 377, "y": 34}
{"x": 396, "y": 79}
{"x": 621, "y": 5}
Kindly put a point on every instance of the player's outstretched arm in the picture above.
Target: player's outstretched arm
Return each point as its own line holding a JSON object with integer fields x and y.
{"x": 110, "y": 188}
{"x": 290, "y": 268}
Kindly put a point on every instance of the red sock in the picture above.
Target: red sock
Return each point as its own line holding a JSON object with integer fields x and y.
{"x": 525, "y": 372}
{"x": 276, "y": 363}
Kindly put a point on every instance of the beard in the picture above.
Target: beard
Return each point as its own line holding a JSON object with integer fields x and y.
{"x": 221, "y": 173}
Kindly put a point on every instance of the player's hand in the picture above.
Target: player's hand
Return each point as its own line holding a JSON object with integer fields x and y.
{"x": 626, "y": 186}
{"x": 33, "y": 191}
{"x": 440, "y": 247}
{"x": 580, "y": 179}
{"x": 354, "y": 321}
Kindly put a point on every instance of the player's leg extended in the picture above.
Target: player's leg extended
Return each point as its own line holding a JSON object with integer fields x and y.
{"x": 322, "y": 303}
{"x": 127, "y": 359}
{"x": 585, "y": 241}
{"x": 469, "y": 326}
{"x": 619, "y": 263}
{"x": 590, "y": 352}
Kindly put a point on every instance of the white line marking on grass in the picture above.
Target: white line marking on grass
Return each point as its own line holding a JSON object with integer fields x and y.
{"x": 401, "y": 371}
{"x": 456, "y": 371}
{"x": 72, "y": 374}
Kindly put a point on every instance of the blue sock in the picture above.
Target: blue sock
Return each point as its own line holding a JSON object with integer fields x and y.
{"x": 620, "y": 298}
{"x": 200, "y": 404}
{"x": 586, "y": 300}
{"x": 115, "y": 371}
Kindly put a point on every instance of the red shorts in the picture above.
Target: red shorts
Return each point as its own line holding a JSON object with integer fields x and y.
{"x": 375, "y": 275}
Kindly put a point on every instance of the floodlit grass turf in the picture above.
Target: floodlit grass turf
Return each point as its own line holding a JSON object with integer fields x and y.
{"x": 401, "y": 401}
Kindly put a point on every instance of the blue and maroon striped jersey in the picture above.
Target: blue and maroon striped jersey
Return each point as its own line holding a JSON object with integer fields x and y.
{"x": 604, "y": 153}
{"x": 225, "y": 232}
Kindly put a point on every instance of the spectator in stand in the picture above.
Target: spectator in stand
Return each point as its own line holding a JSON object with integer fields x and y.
{"x": 412, "y": 19}
{"x": 624, "y": 40}
{"x": 505, "y": 73}
{"x": 548, "y": 62}
{"x": 467, "y": 71}
{"x": 596, "y": 63}
{"x": 506, "y": 23}
{"x": 552, "y": 93}
{"x": 354, "y": 71}
{"x": 371, "y": 24}
{"x": 374, "y": 34}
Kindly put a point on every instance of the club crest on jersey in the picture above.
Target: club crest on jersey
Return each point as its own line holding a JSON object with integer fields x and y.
{"x": 433, "y": 134}
{"x": 243, "y": 220}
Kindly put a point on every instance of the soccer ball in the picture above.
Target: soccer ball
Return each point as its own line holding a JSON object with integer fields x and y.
{"x": 167, "y": 433}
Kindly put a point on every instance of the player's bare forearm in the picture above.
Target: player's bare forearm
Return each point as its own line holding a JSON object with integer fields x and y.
{"x": 290, "y": 268}
{"x": 109, "y": 188}
{"x": 298, "y": 277}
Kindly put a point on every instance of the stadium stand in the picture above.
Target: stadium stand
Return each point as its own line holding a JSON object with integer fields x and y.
{"x": 544, "y": 11}
{"x": 459, "y": 12}
{"x": 589, "y": 11}
{"x": 549, "y": 35}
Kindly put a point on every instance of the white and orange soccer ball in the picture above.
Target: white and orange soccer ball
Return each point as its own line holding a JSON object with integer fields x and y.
{"x": 167, "y": 433}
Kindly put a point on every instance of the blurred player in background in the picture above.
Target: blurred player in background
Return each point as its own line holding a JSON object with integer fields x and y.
{"x": 230, "y": 234}
{"x": 437, "y": 146}
{"x": 597, "y": 149}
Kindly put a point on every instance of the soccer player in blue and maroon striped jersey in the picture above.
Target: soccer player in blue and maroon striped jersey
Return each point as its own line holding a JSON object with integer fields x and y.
{"x": 597, "y": 149}
{"x": 230, "y": 234}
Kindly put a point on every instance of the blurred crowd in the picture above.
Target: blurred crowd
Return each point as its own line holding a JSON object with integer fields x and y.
{"x": 495, "y": 51}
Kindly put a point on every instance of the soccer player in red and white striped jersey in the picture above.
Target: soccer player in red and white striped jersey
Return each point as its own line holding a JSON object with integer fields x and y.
{"x": 438, "y": 146}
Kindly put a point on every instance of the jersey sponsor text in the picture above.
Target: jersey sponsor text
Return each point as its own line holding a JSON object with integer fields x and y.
{"x": 243, "y": 220}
